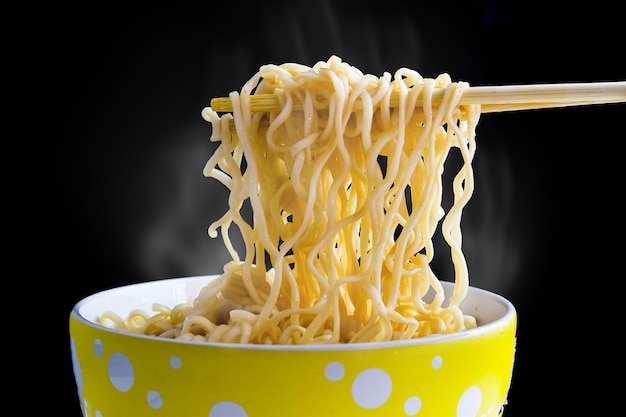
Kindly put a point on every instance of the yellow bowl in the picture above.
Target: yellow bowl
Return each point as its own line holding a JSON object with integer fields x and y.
{"x": 119, "y": 374}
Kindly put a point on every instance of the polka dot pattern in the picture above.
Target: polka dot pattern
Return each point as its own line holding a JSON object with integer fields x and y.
{"x": 227, "y": 409}
{"x": 412, "y": 406}
{"x": 470, "y": 402}
{"x": 370, "y": 389}
{"x": 121, "y": 372}
{"x": 154, "y": 400}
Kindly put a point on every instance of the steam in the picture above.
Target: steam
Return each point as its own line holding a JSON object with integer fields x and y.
{"x": 175, "y": 242}
{"x": 490, "y": 239}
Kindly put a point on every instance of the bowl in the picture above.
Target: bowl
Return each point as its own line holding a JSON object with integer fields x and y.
{"x": 122, "y": 374}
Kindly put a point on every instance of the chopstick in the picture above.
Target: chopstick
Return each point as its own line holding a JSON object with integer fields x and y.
{"x": 491, "y": 98}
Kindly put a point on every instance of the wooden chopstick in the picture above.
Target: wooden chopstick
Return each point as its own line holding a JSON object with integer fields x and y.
{"x": 491, "y": 98}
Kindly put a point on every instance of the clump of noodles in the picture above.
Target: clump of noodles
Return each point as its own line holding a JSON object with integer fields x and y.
{"x": 346, "y": 196}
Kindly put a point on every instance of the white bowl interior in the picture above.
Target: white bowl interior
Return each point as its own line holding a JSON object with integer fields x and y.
{"x": 123, "y": 300}
{"x": 489, "y": 308}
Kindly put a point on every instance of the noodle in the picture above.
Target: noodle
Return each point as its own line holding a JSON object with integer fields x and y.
{"x": 346, "y": 196}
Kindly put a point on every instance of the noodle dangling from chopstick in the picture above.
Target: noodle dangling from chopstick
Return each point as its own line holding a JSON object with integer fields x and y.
{"x": 346, "y": 196}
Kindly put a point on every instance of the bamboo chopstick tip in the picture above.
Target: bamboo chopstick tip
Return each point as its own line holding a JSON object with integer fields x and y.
{"x": 221, "y": 104}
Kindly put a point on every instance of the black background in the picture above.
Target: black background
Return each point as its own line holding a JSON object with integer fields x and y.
{"x": 121, "y": 197}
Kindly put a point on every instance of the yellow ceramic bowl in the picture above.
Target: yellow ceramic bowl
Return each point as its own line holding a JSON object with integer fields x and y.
{"x": 118, "y": 374}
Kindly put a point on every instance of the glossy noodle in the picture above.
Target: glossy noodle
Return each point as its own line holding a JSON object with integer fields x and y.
{"x": 346, "y": 195}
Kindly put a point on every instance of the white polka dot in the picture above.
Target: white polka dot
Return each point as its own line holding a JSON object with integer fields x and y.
{"x": 98, "y": 413}
{"x": 227, "y": 409}
{"x": 371, "y": 388}
{"x": 412, "y": 406}
{"x": 98, "y": 348}
{"x": 334, "y": 371}
{"x": 154, "y": 399}
{"x": 121, "y": 372}
{"x": 436, "y": 362}
{"x": 175, "y": 362}
{"x": 78, "y": 373}
{"x": 469, "y": 403}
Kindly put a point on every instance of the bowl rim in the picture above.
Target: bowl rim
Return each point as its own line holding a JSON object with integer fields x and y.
{"x": 509, "y": 314}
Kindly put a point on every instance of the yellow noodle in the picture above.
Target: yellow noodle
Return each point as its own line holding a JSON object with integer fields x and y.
{"x": 346, "y": 197}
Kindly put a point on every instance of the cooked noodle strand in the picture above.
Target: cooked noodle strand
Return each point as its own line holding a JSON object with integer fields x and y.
{"x": 346, "y": 196}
